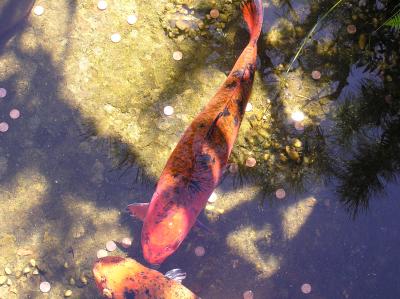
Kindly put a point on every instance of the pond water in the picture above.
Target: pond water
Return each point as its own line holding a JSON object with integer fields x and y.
{"x": 85, "y": 134}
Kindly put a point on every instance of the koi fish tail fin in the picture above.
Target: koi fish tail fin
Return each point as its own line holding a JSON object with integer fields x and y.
{"x": 253, "y": 15}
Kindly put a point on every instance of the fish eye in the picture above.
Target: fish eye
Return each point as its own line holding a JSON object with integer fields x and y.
{"x": 107, "y": 293}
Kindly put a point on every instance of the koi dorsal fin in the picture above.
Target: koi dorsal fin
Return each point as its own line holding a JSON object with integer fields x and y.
{"x": 138, "y": 210}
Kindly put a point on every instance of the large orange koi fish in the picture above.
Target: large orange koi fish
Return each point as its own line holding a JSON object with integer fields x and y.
{"x": 124, "y": 278}
{"x": 195, "y": 167}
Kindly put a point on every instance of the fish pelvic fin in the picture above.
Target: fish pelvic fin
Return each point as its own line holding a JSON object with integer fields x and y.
{"x": 253, "y": 15}
{"x": 138, "y": 210}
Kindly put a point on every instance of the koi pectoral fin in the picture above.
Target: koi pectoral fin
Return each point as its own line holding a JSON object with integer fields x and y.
{"x": 138, "y": 210}
{"x": 176, "y": 274}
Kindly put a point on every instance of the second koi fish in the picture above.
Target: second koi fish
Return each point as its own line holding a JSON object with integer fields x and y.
{"x": 195, "y": 167}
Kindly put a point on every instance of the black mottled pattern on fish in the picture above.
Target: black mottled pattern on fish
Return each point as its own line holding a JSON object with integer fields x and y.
{"x": 236, "y": 120}
{"x": 226, "y": 112}
{"x": 231, "y": 85}
{"x": 129, "y": 294}
{"x": 194, "y": 186}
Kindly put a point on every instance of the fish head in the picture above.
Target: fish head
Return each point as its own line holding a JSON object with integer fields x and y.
{"x": 111, "y": 275}
{"x": 162, "y": 236}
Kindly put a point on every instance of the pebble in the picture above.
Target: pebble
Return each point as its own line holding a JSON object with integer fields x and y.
{"x": 280, "y": 193}
{"x": 111, "y": 246}
{"x": 214, "y": 13}
{"x": 251, "y": 162}
{"x": 7, "y": 270}
{"x": 3, "y": 279}
{"x": 210, "y": 208}
{"x": 306, "y": 288}
{"x": 177, "y": 55}
{"x": 3, "y": 127}
{"x": 316, "y": 75}
{"x": 233, "y": 168}
{"x": 83, "y": 279}
{"x": 131, "y": 19}
{"x": 101, "y": 253}
{"x": 68, "y": 293}
{"x": 297, "y": 143}
{"x": 213, "y": 197}
{"x": 168, "y": 110}
{"x": 45, "y": 286}
{"x": 38, "y": 10}
{"x": 116, "y": 38}
{"x": 102, "y": 5}
{"x": 182, "y": 25}
{"x": 35, "y": 272}
{"x": 26, "y": 270}
{"x": 199, "y": 251}
{"x": 72, "y": 281}
{"x": 126, "y": 242}
{"x": 298, "y": 116}
{"x": 3, "y": 92}
{"x": 249, "y": 107}
{"x": 32, "y": 262}
{"x": 351, "y": 29}
{"x": 388, "y": 99}
{"x": 248, "y": 295}
{"x": 9, "y": 282}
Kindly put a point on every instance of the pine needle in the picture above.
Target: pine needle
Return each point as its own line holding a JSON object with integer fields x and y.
{"x": 309, "y": 35}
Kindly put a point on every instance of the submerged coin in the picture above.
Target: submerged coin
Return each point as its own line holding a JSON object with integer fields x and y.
{"x": 111, "y": 246}
{"x": 298, "y": 116}
{"x": 249, "y": 107}
{"x": 213, "y": 197}
{"x": 14, "y": 113}
{"x": 3, "y": 92}
{"x": 126, "y": 242}
{"x": 280, "y": 193}
{"x": 251, "y": 162}
{"x": 102, "y": 5}
{"x": 177, "y": 55}
{"x": 101, "y": 253}
{"x": 233, "y": 168}
{"x": 299, "y": 126}
{"x": 116, "y": 38}
{"x": 199, "y": 251}
{"x": 214, "y": 13}
{"x": 306, "y": 288}
{"x": 351, "y": 29}
{"x": 38, "y": 10}
{"x": 248, "y": 295}
{"x": 168, "y": 110}
{"x": 316, "y": 75}
{"x": 131, "y": 19}
{"x": 45, "y": 286}
{"x": 3, "y": 127}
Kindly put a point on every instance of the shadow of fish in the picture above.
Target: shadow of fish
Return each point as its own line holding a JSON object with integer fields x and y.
{"x": 12, "y": 12}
